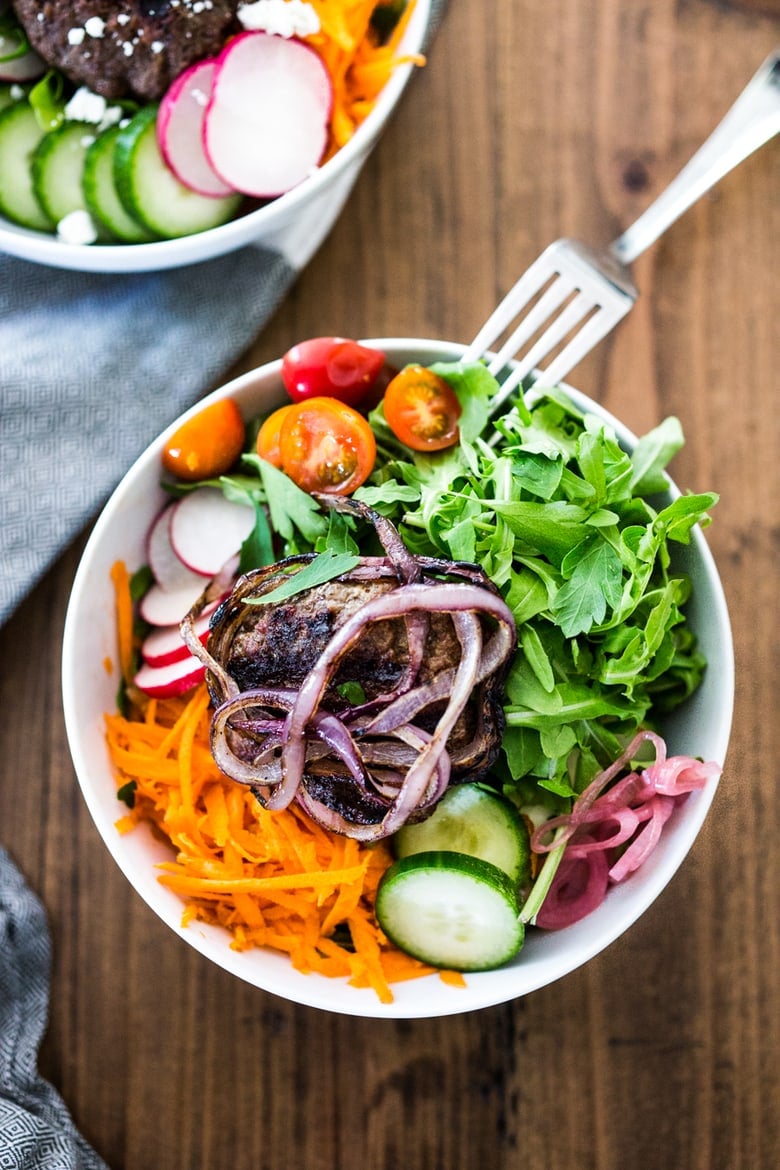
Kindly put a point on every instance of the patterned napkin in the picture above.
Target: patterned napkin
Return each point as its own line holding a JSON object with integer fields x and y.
{"x": 36, "y": 1129}
{"x": 92, "y": 367}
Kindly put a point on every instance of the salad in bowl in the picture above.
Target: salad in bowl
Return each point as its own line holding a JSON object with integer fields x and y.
{"x": 145, "y": 136}
{"x": 389, "y": 703}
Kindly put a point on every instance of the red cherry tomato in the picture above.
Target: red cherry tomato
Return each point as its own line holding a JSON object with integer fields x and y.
{"x": 268, "y": 437}
{"x": 208, "y": 444}
{"x": 422, "y": 410}
{"x": 334, "y": 367}
{"x": 326, "y": 446}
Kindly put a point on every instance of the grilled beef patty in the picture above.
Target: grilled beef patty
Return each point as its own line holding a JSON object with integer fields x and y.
{"x": 277, "y": 645}
{"x": 129, "y": 49}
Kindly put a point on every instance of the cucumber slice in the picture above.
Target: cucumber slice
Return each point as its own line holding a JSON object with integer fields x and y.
{"x": 450, "y": 910}
{"x": 475, "y": 820}
{"x": 100, "y": 194}
{"x": 150, "y": 191}
{"x": 10, "y": 94}
{"x": 19, "y": 137}
{"x": 58, "y": 166}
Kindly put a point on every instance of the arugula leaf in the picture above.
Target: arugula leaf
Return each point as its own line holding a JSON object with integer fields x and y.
{"x": 258, "y": 548}
{"x": 289, "y": 506}
{"x": 325, "y": 567}
{"x": 595, "y": 582}
{"x": 652, "y": 454}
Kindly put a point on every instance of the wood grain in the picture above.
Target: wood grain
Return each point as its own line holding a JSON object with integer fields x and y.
{"x": 530, "y": 121}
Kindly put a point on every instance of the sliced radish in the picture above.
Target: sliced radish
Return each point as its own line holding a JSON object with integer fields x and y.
{"x": 164, "y": 645}
{"x": 163, "y": 682}
{"x": 167, "y": 607}
{"x": 266, "y": 125}
{"x": 180, "y": 130}
{"x": 207, "y": 529}
{"x": 26, "y": 67}
{"x": 168, "y": 569}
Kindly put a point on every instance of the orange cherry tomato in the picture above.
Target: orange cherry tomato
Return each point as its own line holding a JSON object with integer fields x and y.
{"x": 268, "y": 436}
{"x": 208, "y": 444}
{"x": 422, "y": 410}
{"x": 326, "y": 446}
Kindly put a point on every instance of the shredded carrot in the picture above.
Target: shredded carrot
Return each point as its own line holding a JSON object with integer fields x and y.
{"x": 272, "y": 879}
{"x": 124, "y": 618}
{"x": 359, "y": 65}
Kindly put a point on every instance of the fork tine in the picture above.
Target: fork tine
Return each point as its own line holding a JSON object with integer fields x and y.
{"x": 557, "y": 330}
{"x": 563, "y": 324}
{"x": 532, "y": 280}
{"x": 591, "y": 333}
{"x": 544, "y": 308}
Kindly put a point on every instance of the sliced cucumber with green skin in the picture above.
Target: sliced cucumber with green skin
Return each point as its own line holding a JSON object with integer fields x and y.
{"x": 19, "y": 137}
{"x": 473, "y": 819}
{"x": 450, "y": 910}
{"x": 58, "y": 168}
{"x": 100, "y": 194}
{"x": 150, "y": 191}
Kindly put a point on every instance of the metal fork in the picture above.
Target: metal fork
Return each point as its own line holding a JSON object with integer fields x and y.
{"x": 579, "y": 288}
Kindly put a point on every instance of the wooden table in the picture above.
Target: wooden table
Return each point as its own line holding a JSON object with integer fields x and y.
{"x": 531, "y": 121}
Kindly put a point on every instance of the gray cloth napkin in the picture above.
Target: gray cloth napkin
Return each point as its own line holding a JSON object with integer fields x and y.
{"x": 92, "y": 367}
{"x": 36, "y": 1129}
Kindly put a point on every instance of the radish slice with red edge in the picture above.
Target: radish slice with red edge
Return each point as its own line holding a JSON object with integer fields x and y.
{"x": 266, "y": 125}
{"x": 163, "y": 682}
{"x": 167, "y": 607}
{"x": 168, "y": 569}
{"x": 180, "y": 130}
{"x": 207, "y": 529}
{"x": 164, "y": 645}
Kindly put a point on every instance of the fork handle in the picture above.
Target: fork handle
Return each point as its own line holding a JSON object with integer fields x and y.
{"x": 752, "y": 120}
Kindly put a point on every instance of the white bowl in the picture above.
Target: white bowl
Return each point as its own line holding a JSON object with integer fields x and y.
{"x": 295, "y": 223}
{"x": 700, "y": 728}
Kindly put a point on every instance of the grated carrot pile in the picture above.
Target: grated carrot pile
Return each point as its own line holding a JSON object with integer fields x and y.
{"x": 272, "y": 879}
{"x": 359, "y": 66}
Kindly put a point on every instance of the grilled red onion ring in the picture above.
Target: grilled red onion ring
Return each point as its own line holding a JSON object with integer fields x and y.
{"x": 282, "y": 741}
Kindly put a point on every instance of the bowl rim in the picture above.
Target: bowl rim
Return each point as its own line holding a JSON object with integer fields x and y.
{"x": 426, "y": 997}
{"x": 250, "y": 228}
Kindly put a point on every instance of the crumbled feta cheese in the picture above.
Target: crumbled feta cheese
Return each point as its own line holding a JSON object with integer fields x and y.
{"x": 16, "y": 93}
{"x": 76, "y": 36}
{"x": 86, "y": 106}
{"x": 157, "y": 46}
{"x": 122, "y": 18}
{"x": 77, "y": 228}
{"x": 127, "y": 48}
{"x": 94, "y": 27}
{"x": 284, "y": 18}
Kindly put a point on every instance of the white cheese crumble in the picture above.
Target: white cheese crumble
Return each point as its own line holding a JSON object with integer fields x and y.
{"x": 76, "y": 36}
{"x": 94, "y": 27}
{"x": 86, "y": 106}
{"x": 77, "y": 228}
{"x": 283, "y": 18}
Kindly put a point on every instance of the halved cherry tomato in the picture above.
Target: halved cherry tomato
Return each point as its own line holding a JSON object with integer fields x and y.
{"x": 331, "y": 366}
{"x": 326, "y": 446}
{"x": 268, "y": 436}
{"x": 422, "y": 410}
{"x": 208, "y": 444}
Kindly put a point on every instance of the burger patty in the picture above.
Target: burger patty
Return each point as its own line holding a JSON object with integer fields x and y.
{"x": 278, "y": 645}
{"x": 129, "y": 49}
